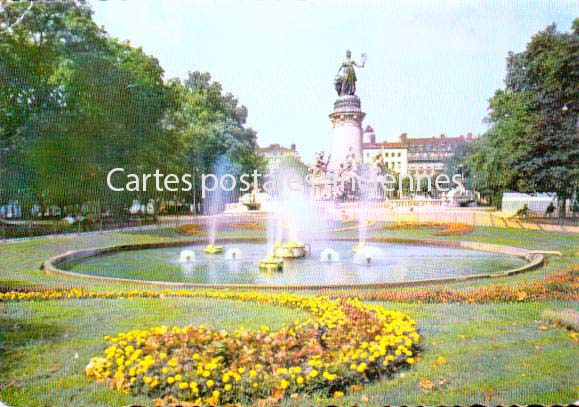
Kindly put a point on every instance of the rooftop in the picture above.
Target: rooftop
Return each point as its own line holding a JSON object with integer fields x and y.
{"x": 277, "y": 149}
{"x": 405, "y": 141}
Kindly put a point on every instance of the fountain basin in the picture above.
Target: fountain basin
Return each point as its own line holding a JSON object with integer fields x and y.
{"x": 408, "y": 262}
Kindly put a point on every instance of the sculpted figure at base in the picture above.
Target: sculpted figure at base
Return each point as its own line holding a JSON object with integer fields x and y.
{"x": 320, "y": 165}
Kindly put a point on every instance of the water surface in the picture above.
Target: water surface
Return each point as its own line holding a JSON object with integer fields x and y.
{"x": 399, "y": 263}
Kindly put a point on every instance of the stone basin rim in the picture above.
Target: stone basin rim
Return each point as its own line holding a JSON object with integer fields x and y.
{"x": 534, "y": 260}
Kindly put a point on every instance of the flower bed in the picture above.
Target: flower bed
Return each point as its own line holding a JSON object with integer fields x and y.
{"x": 191, "y": 229}
{"x": 197, "y": 230}
{"x": 343, "y": 344}
{"x": 245, "y": 226}
{"x": 562, "y": 286}
{"x": 446, "y": 229}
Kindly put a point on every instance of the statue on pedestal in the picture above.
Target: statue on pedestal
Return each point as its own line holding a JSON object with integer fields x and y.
{"x": 345, "y": 82}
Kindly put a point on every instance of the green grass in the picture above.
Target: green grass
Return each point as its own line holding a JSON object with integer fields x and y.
{"x": 44, "y": 346}
{"x": 496, "y": 353}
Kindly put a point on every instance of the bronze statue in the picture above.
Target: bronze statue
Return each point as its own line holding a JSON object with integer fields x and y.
{"x": 345, "y": 82}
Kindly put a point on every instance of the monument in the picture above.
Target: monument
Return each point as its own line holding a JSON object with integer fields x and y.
{"x": 331, "y": 178}
{"x": 346, "y": 118}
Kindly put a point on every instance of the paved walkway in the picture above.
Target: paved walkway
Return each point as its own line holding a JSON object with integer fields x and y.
{"x": 471, "y": 216}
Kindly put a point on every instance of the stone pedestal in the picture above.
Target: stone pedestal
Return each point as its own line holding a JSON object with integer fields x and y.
{"x": 346, "y": 132}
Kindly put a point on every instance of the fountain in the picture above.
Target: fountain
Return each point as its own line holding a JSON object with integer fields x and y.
{"x": 369, "y": 255}
{"x": 288, "y": 228}
{"x": 367, "y": 204}
{"x": 233, "y": 254}
{"x": 329, "y": 256}
{"x": 271, "y": 263}
{"x": 212, "y": 249}
{"x": 300, "y": 211}
{"x": 215, "y": 202}
{"x": 186, "y": 256}
{"x": 290, "y": 250}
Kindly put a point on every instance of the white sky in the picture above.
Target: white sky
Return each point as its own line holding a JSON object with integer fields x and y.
{"x": 432, "y": 66}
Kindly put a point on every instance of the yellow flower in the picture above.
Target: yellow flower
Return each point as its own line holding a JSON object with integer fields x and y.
{"x": 397, "y": 333}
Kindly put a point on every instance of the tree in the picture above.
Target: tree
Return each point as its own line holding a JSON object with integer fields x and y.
{"x": 75, "y": 103}
{"x": 210, "y": 124}
{"x": 33, "y": 38}
{"x": 532, "y": 144}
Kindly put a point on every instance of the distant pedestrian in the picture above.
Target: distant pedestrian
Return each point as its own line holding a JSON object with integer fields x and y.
{"x": 550, "y": 210}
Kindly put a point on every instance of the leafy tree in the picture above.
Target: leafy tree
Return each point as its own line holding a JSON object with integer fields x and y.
{"x": 75, "y": 103}
{"x": 210, "y": 124}
{"x": 532, "y": 144}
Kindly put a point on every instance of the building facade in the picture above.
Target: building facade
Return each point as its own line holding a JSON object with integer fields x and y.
{"x": 411, "y": 155}
{"x": 274, "y": 153}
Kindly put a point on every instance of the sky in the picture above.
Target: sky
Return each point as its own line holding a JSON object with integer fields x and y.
{"x": 432, "y": 66}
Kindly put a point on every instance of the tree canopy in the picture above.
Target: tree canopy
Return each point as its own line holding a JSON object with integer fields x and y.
{"x": 532, "y": 144}
{"x": 75, "y": 103}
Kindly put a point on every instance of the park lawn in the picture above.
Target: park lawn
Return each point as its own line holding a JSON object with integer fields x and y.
{"x": 44, "y": 346}
{"x": 495, "y": 353}
{"x": 20, "y": 261}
